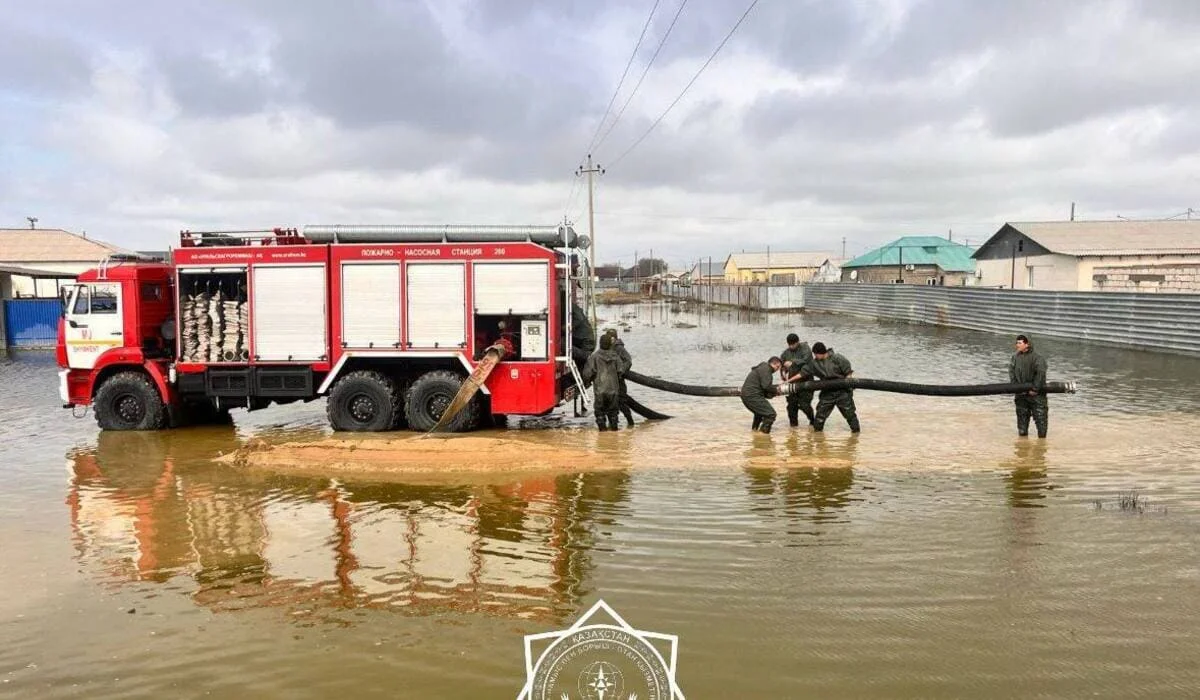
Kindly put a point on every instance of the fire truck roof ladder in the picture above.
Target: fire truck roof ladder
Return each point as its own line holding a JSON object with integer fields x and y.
{"x": 554, "y": 236}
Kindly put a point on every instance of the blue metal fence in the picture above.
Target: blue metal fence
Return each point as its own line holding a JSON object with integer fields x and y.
{"x": 31, "y": 323}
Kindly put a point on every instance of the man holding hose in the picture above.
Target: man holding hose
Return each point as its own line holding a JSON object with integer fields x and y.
{"x": 827, "y": 364}
{"x": 1028, "y": 367}
{"x": 757, "y": 391}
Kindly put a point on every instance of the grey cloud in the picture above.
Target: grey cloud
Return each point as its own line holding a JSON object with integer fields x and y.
{"x": 204, "y": 89}
{"x": 935, "y": 31}
{"x": 855, "y": 113}
{"x": 512, "y": 96}
{"x": 515, "y": 13}
{"x": 807, "y": 37}
{"x": 41, "y": 64}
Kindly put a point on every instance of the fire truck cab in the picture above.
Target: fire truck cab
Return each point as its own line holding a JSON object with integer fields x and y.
{"x": 384, "y": 321}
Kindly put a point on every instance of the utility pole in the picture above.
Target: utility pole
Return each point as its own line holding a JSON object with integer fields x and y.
{"x": 591, "y": 170}
{"x": 1072, "y": 211}
{"x": 843, "y": 247}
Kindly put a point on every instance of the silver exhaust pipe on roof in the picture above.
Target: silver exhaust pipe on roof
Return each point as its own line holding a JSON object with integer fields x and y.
{"x": 555, "y": 236}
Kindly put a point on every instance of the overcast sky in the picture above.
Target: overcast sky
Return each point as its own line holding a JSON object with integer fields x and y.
{"x": 818, "y": 120}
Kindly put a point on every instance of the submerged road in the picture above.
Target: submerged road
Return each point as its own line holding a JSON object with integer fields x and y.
{"x": 934, "y": 555}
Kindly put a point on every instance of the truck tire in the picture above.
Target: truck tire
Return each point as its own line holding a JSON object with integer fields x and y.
{"x": 429, "y": 396}
{"x": 363, "y": 402}
{"x": 129, "y": 401}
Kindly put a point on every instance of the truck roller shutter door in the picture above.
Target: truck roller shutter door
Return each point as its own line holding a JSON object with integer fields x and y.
{"x": 371, "y": 305}
{"x": 521, "y": 287}
{"x": 437, "y": 305}
{"x": 289, "y": 313}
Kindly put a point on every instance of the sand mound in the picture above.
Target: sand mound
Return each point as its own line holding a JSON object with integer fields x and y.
{"x": 401, "y": 455}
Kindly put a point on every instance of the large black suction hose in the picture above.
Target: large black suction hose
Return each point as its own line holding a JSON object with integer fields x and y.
{"x": 870, "y": 384}
{"x": 926, "y": 389}
{"x": 873, "y": 384}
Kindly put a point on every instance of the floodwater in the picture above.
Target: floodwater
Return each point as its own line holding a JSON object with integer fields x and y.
{"x": 935, "y": 555}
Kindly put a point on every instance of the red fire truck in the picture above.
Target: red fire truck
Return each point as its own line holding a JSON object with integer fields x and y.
{"x": 384, "y": 321}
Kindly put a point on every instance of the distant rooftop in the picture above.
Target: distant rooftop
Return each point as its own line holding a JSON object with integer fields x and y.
{"x": 781, "y": 259}
{"x": 1120, "y": 237}
{"x": 919, "y": 250}
{"x": 26, "y": 245}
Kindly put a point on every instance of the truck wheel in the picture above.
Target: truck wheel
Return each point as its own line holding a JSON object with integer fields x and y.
{"x": 363, "y": 401}
{"x": 129, "y": 401}
{"x": 428, "y": 398}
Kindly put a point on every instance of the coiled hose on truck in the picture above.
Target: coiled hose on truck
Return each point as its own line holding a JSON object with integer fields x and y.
{"x": 795, "y": 387}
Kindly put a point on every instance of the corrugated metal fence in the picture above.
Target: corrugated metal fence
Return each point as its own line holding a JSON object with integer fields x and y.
{"x": 1165, "y": 322}
{"x": 31, "y": 323}
{"x": 746, "y": 296}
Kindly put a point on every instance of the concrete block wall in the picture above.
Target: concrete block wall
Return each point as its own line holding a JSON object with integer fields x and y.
{"x": 1153, "y": 279}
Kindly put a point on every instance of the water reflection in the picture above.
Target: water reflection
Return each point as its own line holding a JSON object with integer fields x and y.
{"x": 1026, "y": 479}
{"x": 810, "y": 477}
{"x": 153, "y": 507}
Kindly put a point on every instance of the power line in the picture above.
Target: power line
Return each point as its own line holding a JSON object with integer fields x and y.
{"x": 570, "y": 197}
{"x": 646, "y": 70}
{"x": 686, "y": 87}
{"x": 632, "y": 55}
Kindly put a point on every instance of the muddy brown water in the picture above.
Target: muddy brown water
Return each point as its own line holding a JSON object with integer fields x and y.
{"x": 936, "y": 555}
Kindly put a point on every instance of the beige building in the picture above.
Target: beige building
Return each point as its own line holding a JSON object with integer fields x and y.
{"x": 42, "y": 250}
{"x": 774, "y": 268}
{"x": 1085, "y": 256}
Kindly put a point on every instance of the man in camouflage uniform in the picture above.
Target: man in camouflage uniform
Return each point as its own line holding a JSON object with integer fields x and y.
{"x": 1028, "y": 367}
{"x": 619, "y": 346}
{"x": 604, "y": 369}
{"x": 827, "y": 364}
{"x": 795, "y": 356}
{"x": 757, "y": 389}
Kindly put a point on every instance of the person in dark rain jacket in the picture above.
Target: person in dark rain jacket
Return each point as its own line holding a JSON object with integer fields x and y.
{"x": 604, "y": 369}
{"x": 1028, "y": 367}
{"x": 619, "y": 346}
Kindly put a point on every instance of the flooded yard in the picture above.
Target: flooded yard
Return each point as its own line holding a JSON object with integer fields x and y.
{"x": 934, "y": 555}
